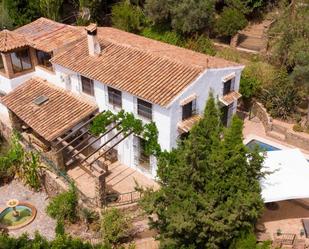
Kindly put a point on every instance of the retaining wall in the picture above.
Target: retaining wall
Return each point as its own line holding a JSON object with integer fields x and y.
{"x": 298, "y": 139}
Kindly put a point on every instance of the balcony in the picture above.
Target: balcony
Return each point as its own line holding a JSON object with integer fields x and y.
{"x": 229, "y": 98}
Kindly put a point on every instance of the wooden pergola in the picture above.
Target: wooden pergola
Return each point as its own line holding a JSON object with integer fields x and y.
{"x": 76, "y": 143}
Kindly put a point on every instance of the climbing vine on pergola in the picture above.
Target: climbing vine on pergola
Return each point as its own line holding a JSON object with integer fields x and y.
{"x": 127, "y": 123}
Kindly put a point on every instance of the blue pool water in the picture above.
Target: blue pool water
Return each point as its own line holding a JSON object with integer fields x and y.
{"x": 265, "y": 147}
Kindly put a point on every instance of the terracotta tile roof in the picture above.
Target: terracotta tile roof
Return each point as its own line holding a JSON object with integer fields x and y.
{"x": 48, "y": 35}
{"x": 152, "y": 70}
{"x": 10, "y": 40}
{"x": 161, "y": 49}
{"x": 62, "y": 111}
{"x": 230, "y": 98}
{"x": 187, "y": 124}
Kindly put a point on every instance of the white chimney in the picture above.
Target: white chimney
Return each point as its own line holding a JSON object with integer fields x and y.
{"x": 93, "y": 44}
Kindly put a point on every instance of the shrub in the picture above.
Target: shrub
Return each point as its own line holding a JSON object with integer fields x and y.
{"x": 167, "y": 36}
{"x": 64, "y": 206}
{"x": 298, "y": 128}
{"x": 229, "y": 22}
{"x": 12, "y": 160}
{"x": 59, "y": 229}
{"x": 40, "y": 242}
{"x": 248, "y": 240}
{"x": 201, "y": 44}
{"x": 128, "y": 17}
{"x": 250, "y": 84}
{"x": 229, "y": 54}
{"x": 281, "y": 97}
{"x": 115, "y": 226}
{"x": 262, "y": 71}
{"x": 88, "y": 215}
{"x": 30, "y": 170}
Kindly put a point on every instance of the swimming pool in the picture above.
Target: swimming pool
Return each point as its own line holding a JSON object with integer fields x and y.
{"x": 263, "y": 146}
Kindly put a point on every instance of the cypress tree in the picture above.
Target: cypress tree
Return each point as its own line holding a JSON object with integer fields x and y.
{"x": 209, "y": 187}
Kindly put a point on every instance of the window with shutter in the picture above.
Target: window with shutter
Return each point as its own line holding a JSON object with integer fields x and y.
{"x": 144, "y": 109}
{"x": 87, "y": 86}
{"x": 188, "y": 110}
{"x": 114, "y": 97}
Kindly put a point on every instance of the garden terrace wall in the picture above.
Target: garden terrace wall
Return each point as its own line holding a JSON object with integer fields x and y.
{"x": 300, "y": 140}
{"x": 5, "y": 131}
{"x": 52, "y": 184}
{"x": 259, "y": 111}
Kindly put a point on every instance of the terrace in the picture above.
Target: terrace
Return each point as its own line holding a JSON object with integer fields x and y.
{"x": 284, "y": 215}
{"x": 63, "y": 137}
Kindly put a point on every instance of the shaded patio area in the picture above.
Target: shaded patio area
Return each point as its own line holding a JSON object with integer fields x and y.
{"x": 286, "y": 217}
{"x": 120, "y": 180}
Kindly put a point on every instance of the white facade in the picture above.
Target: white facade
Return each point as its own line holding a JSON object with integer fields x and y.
{"x": 166, "y": 118}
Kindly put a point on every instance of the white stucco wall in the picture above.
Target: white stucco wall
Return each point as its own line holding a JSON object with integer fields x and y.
{"x": 7, "y": 85}
{"x": 166, "y": 118}
{"x": 161, "y": 116}
{"x": 210, "y": 80}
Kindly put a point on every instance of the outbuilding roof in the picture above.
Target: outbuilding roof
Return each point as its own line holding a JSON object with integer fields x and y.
{"x": 10, "y": 40}
{"x": 148, "y": 69}
{"x": 48, "y": 35}
{"x": 47, "y": 109}
{"x": 286, "y": 176}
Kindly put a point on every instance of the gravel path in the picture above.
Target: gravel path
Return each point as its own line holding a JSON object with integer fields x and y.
{"x": 42, "y": 223}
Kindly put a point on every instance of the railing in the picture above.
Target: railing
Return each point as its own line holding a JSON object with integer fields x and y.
{"x": 119, "y": 199}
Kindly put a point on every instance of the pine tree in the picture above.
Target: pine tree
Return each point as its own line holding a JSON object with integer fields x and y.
{"x": 209, "y": 187}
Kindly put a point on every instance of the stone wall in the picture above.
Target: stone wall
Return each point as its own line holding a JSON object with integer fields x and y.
{"x": 298, "y": 139}
{"x": 5, "y": 131}
{"x": 52, "y": 184}
{"x": 259, "y": 111}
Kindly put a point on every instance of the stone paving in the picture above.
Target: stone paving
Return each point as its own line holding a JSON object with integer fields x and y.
{"x": 286, "y": 216}
{"x": 42, "y": 223}
{"x": 121, "y": 179}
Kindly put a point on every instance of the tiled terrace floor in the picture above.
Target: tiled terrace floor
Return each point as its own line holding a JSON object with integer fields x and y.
{"x": 286, "y": 216}
{"x": 121, "y": 179}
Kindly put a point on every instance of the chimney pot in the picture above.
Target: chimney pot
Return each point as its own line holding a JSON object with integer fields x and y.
{"x": 93, "y": 44}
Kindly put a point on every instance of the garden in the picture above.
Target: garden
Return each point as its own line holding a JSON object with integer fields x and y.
{"x": 31, "y": 216}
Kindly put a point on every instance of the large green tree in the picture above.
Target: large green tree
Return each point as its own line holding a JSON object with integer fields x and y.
{"x": 51, "y": 8}
{"x": 185, "y": 16}
{"x": 128, "y": 17}
{"x": 245, "y": 6}
{"x": 210, "y": 188}
{"x": 22, "y": 11}
{"x": 230, "y": 22}
{"x": 289, "y": 42}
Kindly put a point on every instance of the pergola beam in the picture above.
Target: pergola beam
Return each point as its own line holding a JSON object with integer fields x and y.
{"x": 109, "y": 140}
{"x": 109, "y": 149}
{"x": 97, "y": 139}
{"x": 98, "y": 169}
{"x": 75, "y": 139}
{"x": 73, "y": 132}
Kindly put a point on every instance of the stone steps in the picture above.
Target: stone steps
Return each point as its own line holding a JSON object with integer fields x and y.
{"x": 251, "y": 43}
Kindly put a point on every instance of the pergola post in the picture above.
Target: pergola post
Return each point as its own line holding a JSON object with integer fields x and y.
{"x": 57, "y": 158}
{"x": 100, "y": 189}
{"x": 17, "y": 123}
